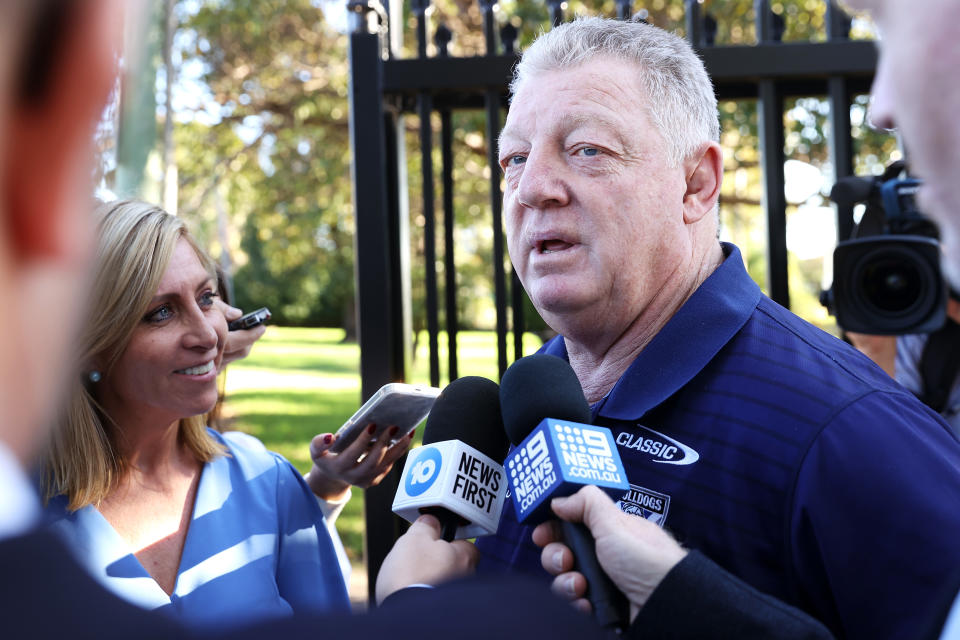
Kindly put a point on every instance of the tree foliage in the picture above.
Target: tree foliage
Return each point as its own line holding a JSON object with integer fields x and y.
{"x": 275, "y": 154}
{"x": 264, "y": 166}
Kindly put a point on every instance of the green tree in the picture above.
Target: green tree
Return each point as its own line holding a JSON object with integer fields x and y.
{"x": 267, "y": 149}
{"x": 274, "y": 153}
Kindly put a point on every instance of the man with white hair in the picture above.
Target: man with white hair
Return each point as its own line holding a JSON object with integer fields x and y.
{"x": 766, "y": 444}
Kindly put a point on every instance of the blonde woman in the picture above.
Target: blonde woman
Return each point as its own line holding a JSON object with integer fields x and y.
{"x": 210, "y": 527}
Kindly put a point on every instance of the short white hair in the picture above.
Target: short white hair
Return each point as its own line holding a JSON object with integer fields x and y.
{"x": 680, "y": 100}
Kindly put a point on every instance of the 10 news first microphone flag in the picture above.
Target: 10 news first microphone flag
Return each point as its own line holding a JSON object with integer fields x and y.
{"x": 457, "y": 474}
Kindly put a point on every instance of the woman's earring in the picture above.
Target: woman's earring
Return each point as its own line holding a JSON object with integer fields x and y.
{"x": 94, "y": 376}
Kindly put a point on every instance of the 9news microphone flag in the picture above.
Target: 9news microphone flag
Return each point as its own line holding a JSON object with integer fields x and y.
{"x": 556, "y": 456}
{"x": 457, "y": 474}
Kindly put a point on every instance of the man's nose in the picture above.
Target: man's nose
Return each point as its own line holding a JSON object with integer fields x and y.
{"x": 543, "y": 182}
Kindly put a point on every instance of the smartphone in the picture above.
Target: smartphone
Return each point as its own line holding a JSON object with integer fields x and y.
{"x": 403, "y": 405}
{"x": 250, "y": 320}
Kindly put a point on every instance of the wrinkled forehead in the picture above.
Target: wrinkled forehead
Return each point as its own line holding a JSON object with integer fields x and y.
{"x": 187, "y": 262}
{"x": 591, "y": 59}
{"x": 597, "y": 92}
{"x": 600, "y": 80}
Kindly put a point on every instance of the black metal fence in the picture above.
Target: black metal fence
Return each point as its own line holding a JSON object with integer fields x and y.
{"x": 384, "y": 86}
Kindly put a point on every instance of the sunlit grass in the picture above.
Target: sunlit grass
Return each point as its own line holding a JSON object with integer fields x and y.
{"x": 301, "y": 382}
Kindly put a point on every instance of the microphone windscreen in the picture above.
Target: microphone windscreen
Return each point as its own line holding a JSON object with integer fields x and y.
{"x": 537, "y": 387}
{"x": 850, "y": 190}
{"x": 468, "y": 410}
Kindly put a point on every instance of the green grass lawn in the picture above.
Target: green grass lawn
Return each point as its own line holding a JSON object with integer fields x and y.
{"x": 301, "y": 382}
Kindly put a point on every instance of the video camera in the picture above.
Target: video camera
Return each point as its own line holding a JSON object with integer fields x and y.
{"x": 886, "y": 277}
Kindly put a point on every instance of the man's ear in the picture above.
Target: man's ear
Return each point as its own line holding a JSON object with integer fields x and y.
{"x": 704, "y": 171}
{"x": 49, "y": 135}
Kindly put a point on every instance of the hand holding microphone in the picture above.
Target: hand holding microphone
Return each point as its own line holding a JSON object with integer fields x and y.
{"x": 635, "y": 553}
{"x": 421, "y": 556}
{"x": 556, "y": 453}
{"x": 457, "y": 480}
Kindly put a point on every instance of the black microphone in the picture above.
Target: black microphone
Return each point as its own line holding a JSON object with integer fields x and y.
{"x": 850, "y": 190}
{"x": 457, "y": 474}
{"x": 556, "y": 456}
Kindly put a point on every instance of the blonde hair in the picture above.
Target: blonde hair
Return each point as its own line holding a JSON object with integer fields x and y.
{"x": 135, "y": 241}
{"x": 680, "y": 98}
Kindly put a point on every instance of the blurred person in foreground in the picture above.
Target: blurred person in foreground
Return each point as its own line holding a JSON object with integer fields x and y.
{"x": 769, "y": 446}
{"x": 916, "y": 92}
{"x": 56, "y": 69}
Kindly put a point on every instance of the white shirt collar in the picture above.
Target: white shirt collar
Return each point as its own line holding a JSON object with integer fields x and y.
{"x": 19, "y": 504}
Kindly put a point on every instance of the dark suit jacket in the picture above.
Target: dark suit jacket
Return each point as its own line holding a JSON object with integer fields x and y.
{"x": 44, "y": 593}
{"x": 698, "y": 599}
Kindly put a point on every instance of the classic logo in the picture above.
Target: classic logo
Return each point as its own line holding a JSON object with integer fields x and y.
{"x": 659, "y": 447}
{"x": 646, "y": 504}
{"x": 424, "y": 471}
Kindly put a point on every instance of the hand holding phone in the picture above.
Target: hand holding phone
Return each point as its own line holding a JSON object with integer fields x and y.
{"x": 250, "y": 320}
{"x": 238, "y": 343}
{"x": 395, "y": 404}
{"x": 362, "y": 464}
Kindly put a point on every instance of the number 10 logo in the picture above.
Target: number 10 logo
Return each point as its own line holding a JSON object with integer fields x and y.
{"x": 424, "y": 471}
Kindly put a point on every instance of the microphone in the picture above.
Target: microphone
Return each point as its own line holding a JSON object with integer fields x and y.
{"x": 555, "y": 457}
{"x": 850, "y": 190}
{"x": 457, "y": 474}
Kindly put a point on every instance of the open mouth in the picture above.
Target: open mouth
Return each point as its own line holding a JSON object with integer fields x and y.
{"x": 552, "y": 246}
{"x": 198, "y": 370}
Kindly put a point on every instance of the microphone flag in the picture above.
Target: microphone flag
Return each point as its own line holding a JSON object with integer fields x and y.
{"x": 457, "y": 477}
{"x": 557, "y": 459}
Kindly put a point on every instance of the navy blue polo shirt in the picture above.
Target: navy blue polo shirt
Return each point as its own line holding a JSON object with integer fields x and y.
{"x": 786, "y": 456}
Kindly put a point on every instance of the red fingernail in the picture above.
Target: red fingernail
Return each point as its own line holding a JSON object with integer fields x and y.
{"x": 327, "y": 438}
{"x": 393, "y": 430}
{"x": 371, "y": 429}
{"x": 413, "y": 433}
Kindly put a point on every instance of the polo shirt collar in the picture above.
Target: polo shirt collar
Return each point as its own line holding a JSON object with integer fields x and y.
{"x": 706, "y": 322}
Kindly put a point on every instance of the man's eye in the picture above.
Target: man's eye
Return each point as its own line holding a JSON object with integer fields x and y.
{"x": 515, "y": 160}
{"x": 588, "y": 151}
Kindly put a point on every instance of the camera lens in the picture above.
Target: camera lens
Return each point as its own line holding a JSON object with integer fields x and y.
{"x": 891, "y": 284}
{"x": 894, "y": 282}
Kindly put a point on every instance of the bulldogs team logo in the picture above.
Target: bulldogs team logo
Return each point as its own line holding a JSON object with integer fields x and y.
{"x": 646, "y": 504}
